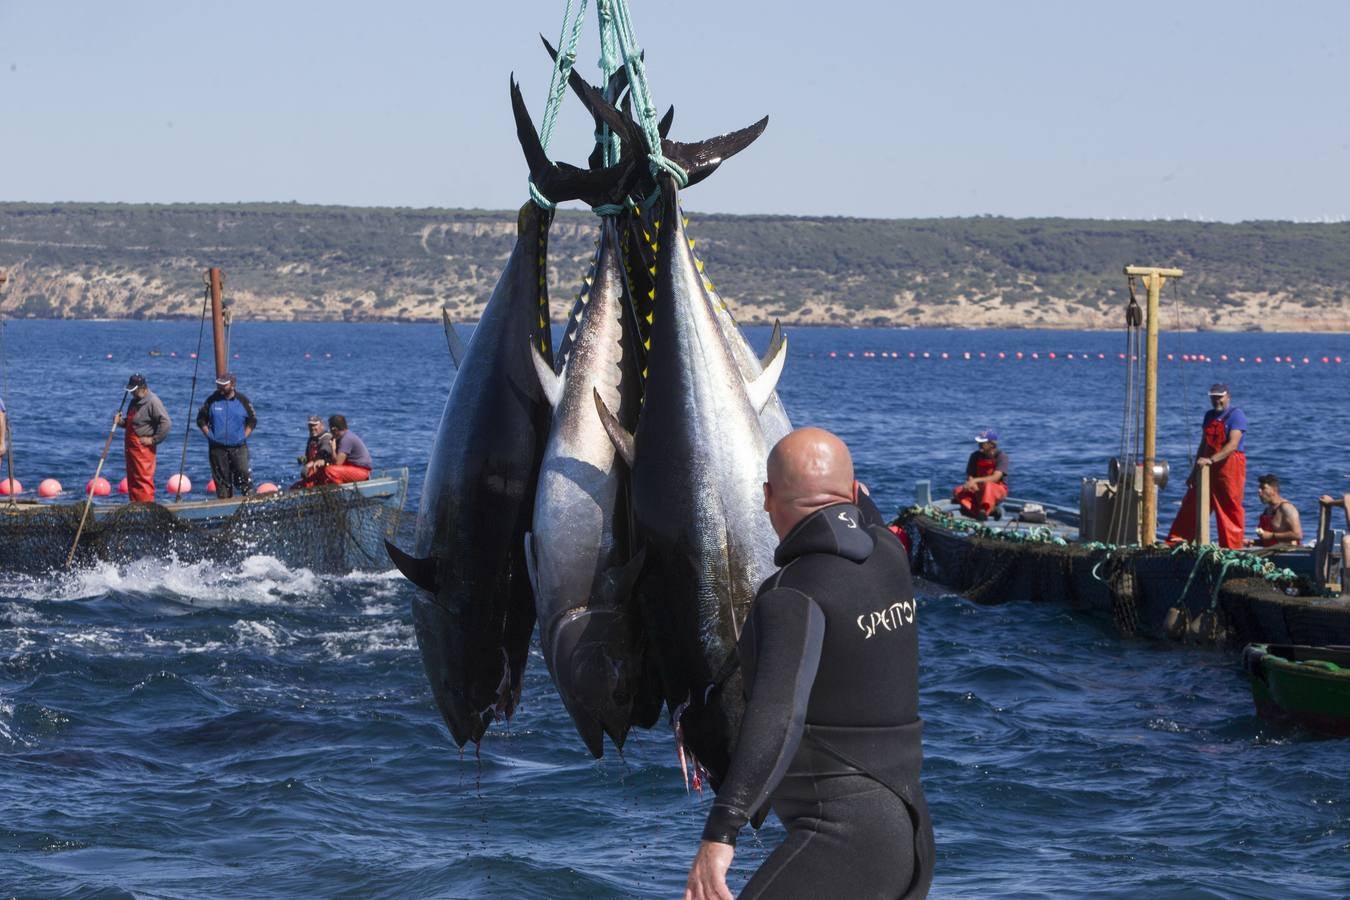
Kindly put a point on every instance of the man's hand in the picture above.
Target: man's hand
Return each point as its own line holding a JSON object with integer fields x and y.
{"x": 1204, "y": 461}
{"x": 970, "y": 484}
{"x": 146, "y": 442}
{"x": 117, "y": 419}
{"x": 708, "y": 874}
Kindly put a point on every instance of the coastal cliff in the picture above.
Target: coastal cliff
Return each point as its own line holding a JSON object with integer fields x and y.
{"x": 309, "y": 263}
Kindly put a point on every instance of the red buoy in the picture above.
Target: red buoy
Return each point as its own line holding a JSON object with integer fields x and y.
{"x": 10, "y": 486}
{"x": 211, "y": 486}
{"x": 123, "y": 487}
{"x": 49, "y": 487}
{"x": 178, "y": 484}
{"x": 267, "y": 487}
{"x": 99, "y": 487}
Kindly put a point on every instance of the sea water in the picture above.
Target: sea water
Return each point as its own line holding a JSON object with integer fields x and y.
{"x": 175, "y": 730}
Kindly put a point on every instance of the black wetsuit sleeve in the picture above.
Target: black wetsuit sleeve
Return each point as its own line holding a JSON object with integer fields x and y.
{"x": 789, "y": 630}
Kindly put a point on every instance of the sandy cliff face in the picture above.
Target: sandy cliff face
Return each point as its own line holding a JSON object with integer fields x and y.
{"x": 51, "y": 292}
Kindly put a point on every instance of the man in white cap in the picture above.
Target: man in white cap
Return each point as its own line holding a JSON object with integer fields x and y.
{"x": 986, "y": 481}
{"x": 1222, "y": 450}
{"x": 227, "y": 420}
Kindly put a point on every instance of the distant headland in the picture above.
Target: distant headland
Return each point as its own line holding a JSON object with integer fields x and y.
{"x": 292, "y": 262}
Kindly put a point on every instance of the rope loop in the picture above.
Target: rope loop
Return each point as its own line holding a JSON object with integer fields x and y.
{"x": 539, "y": 199}
{"x": 660, "y": 162}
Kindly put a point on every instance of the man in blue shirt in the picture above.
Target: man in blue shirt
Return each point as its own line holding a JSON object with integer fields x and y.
{"x": 1223, "y": 450}
{"x": 227, "y": 420}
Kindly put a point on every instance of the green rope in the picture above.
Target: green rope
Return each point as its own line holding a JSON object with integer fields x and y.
{"x": 562, "y": 68}
{"x": 622, "y": 27}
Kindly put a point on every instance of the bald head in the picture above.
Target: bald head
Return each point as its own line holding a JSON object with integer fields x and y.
{"x": 808, "y": 469}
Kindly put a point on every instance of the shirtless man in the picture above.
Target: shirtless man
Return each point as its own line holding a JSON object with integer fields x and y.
{"x": 1279, "y": 522}
{"x": 831, "y": 733}
{"x": 1344, "y": 503}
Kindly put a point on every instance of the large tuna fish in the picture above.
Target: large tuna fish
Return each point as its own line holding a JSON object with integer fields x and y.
{"x": 698, "y": 462}
{"x": 580, "y": 552}
{"x": 475, "y": 620}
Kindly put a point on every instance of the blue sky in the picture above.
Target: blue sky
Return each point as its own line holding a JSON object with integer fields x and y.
{"x": 1202, "y": 110}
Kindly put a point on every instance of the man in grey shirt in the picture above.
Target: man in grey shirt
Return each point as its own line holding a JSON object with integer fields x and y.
{"x": 147, "y": 423}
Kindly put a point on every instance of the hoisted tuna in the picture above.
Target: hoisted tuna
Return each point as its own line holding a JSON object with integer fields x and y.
{"x": 475, "y": 621}
{"x": 697, "y": 461}
{"x": 580, "y": 553}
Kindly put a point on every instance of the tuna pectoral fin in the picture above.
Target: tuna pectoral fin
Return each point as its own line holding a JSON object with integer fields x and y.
{"x": 620, "y": 580}
{"x": 529, "y": 563}
{"x": 549, "y": 380}
{"x": 762, "y": 388}
{"x": 453, "y": 340}
{"x": 775, "y": 340}
{"x": 620, "y": 436}
{"x": 421, "y": 572}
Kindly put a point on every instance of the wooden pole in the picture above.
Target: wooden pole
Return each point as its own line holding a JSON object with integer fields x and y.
{"x": 216, "y": 279}
{"x": 89, "y": 499}
{"x": 1153, "y": 279}
{"x": 1202, "y": 506}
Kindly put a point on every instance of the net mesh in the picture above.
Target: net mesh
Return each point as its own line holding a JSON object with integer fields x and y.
{"x": 1148, "y": 592}
{"x": 324, "y": 529}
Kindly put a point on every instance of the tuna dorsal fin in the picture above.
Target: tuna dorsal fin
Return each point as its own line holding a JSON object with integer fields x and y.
{"x": 421, "y": 572}
{"x": 762, "y": 388}
{"x": 549, "y": 380}
{"x": 775, "y": 340}
{"x": 621, "y": 437}
{"x": 453, "y": 340}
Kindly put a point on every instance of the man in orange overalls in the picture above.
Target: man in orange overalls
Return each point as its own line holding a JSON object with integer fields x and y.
{"x": 147, "y": 423}
{"x": 1222, "y": 449}
{"x": 986, "y": 481}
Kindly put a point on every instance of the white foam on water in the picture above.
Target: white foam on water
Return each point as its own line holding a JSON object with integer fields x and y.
{"x": 385, "y": 637}
{"x": 255, "y": 580}
{"x": 260, "y": 635}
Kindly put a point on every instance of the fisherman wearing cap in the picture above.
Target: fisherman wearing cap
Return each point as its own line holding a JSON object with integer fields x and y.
{"x": 1223, "y": 451}
{"x": 147, "y": 424}
{"x": 227, "y": 420}
{"x": 986, "y": 481}
{"x": 318, "y": 453}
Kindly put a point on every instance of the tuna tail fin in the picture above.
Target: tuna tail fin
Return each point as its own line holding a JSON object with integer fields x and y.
{"x": 762, "y": 388}
{"x": 549, "y": 380}
{"x": 452, "y": 339}
{"x": 775, "y": 340}
{"x": 421, "y": 572}
{"x": 702, "y": 159}
{"x": 621, "y": 437}
{"x": 560, "y": 181}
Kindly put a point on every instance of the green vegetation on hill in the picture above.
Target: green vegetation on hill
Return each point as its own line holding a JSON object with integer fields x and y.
{"x": 403, "y": 263}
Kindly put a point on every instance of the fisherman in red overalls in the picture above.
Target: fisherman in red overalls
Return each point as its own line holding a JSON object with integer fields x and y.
{"x": 1279, "y": 522}
{"x": 986, "y": 481}
{"x": 147, "y": 423}
{"x": 1222, "y": 449}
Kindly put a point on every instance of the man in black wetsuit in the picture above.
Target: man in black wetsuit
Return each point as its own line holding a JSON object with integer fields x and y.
{"x": 831, "y": 736}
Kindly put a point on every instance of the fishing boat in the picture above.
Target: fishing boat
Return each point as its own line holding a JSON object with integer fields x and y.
{"x": 1093, "y": 559}
{"x": 1306, "y": 685}
{"x": 329, "y": 528}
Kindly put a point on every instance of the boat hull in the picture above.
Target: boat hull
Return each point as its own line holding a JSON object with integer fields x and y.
{"x": 1307, "y": 685}
{"x": 330, "y": 529}
{"x": 1146, "y": 592}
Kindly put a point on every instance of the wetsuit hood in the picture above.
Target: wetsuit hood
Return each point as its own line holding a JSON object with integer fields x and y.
{"x": 839, "y": 530}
